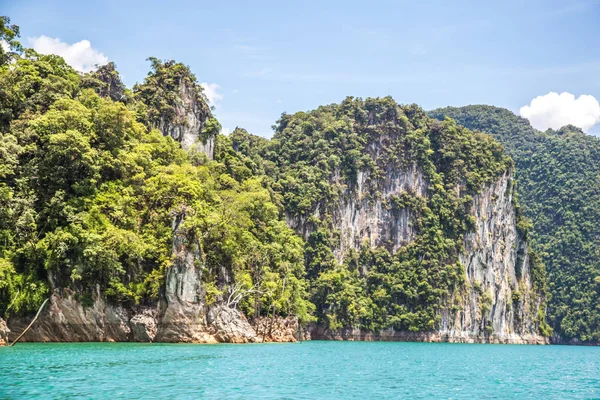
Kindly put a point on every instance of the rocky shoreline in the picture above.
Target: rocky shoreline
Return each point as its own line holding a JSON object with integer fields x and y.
{"x": 230, "y": 326}
{"x": 390, "y": 335}
{"x": 65, "y": 319}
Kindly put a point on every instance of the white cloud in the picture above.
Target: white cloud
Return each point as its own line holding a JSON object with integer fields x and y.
{"x": 555, "y": 110}
{"x": 225, "y": 131}
{"x": 81, "y": 55}
{"x": 211, "y": 90}
{"x": 5, "y": 45}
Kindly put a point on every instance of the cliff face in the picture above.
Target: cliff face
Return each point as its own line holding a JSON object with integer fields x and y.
{"x": 423, "y": 191}
{"x": 184, "y": 315}
{"x": 497, "y": 303}
{"x": 187, "y": 121}
{"x": 562, "y": 200}
{"x": 360, "y": 218}
{"x": 176, "y": 105}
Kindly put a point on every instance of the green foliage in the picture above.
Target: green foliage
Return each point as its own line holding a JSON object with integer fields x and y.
{"x": 315, "y": 158}
{"x": 88, "y": 195}
{"x": 9, "y": 34}
{"x": 557, "y": 173}
{"x": 106, "y": 82}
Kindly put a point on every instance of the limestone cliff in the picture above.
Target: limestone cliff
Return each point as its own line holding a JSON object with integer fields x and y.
{"x": 187, "y": 120}
{"x": 176, "y": 106}
{"x": 360, "y": 218}
{"x": 184, "y": 315}
{"x": 386, "y": 197}
{"x": 498, "y": 302}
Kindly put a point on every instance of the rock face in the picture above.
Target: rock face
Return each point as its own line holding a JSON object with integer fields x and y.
{"x": 143, "y": 326}
{"x": 360, "y": 218}
{"x": 280, "y": 329}
{"x": 67, "y": 319}
{"x": 498, "y": 303}
{"x": 230, "y": 325}
{"x": 4, "y": 331}
{"x": 184, "y": 315}
{"x": 190, "y": 116}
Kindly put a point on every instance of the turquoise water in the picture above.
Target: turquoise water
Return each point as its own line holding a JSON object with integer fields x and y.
{"x": 309, "y": 370}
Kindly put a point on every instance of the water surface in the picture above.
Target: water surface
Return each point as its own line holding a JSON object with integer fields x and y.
{"x": 309, "y": 370}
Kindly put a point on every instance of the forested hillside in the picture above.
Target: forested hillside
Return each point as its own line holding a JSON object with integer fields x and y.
{"x": 88, "y": 192}
{"x": 558, "y": 174}
{"x": 419, "y": 178}
{"x": 364, "y": 215}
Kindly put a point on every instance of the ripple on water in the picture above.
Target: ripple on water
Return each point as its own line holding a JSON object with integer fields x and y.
{"x": 298, "y": 370}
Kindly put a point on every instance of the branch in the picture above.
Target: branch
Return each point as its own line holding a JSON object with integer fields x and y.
{"x": 29, "y": 326}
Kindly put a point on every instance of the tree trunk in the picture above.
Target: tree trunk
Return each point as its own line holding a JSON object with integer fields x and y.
{"x": 29, "y": 326}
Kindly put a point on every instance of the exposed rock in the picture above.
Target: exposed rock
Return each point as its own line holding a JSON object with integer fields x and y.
{"x": 186, "y": 126}
{"x": 66, "y": 319}
{"x": 182, "y": 314}
{"x": 280, "y": 329}
{"x": 4, "y": 331}
{"x": 497, "y": 267}
{"x": 143, "y": 326}
{"x": 499, "y": 304}
{"x": 106, "y": 82}
{"x": 230, "y": 325}
{"x": 361, "y": 218}
{"x": 390, "y": 335}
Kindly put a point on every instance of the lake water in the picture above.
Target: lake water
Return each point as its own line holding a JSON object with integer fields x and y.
{"x": 309, "y": 370}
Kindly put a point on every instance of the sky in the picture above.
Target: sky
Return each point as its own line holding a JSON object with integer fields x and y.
{"x": 258, "y": 59}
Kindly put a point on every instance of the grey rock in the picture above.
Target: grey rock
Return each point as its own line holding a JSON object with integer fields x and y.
{"x": 190, "y": 117}
{"x": 4, "y": 331}
{"x": 230, "y": 325}
{"x": 182, "y": 314}
{"x": 143, "y": 326}
{"x": 495, "y": 258}
{"x": 66, "y": 319}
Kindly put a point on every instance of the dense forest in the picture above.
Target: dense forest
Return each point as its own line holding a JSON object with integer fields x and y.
{"x": 89, "y": 188}
{"x": 558, "y": 174}
{"x": 88, "y": 193}
{"x": 315, "y": 159}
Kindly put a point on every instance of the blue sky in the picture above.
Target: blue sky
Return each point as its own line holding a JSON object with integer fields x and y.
{"x": 268, "y": 57}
